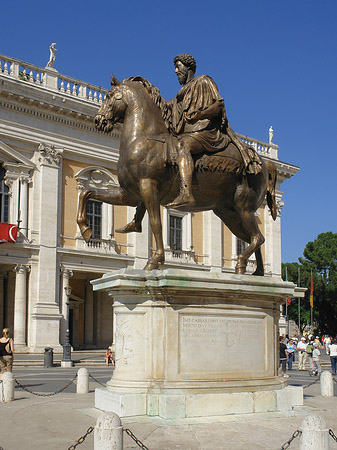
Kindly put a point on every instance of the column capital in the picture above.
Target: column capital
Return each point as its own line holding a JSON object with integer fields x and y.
{"x": 49, "y": 155}
{"x": 66, "y": 272}
{"x": 21, "y": 268}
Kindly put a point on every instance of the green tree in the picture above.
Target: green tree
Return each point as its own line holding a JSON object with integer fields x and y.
{"x": 320, "y": 259}
{"x": 300, "y": 276}
{"x": 320, "y": 256}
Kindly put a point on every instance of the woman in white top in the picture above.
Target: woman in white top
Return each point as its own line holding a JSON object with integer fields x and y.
{"x": 333, "y": 356}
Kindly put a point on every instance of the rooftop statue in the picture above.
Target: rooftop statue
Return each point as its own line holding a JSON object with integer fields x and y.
{"x": 271, "y": 134}
{"x": 182, "y": 154}
{"x": 52, "y": 56}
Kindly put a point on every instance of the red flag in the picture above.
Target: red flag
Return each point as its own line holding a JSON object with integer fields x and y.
{"x": 311, "y": 291}
{"x": 8, "y": 233}
{"x": 288, "y": 301}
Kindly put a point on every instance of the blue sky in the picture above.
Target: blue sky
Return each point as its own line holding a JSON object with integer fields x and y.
{"x": 275, "y": 64}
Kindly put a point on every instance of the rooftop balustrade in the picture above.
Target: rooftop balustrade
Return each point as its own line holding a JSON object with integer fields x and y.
{"x": 50, "y": 79}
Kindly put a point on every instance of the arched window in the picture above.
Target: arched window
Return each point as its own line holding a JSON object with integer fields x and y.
{"x": 4, "y": 197}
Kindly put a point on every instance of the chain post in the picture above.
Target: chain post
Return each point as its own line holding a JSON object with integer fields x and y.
{"x": 293, "y": 436}
{"x": 82, "y": 439}
{"x": 137, "y": 441}
{"x": 45, "y": 395}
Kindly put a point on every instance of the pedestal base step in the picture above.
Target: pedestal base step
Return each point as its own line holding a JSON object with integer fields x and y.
{"x": 174, "y": 406}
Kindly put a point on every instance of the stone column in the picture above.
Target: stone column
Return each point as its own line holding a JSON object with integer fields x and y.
{"x": 66, "y": 275}
{"x": 20, "y": 305}
{"x": 2, "y": 301}
{"x": 89, "y": 315}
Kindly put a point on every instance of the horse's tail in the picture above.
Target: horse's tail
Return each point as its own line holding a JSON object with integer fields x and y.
{"x": 272, "y": 176}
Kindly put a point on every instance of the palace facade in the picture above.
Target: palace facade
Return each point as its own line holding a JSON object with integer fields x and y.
{"x": 49, "y": 152}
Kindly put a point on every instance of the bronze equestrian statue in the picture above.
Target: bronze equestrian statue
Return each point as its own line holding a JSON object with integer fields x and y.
{"x": 182, "y": 154}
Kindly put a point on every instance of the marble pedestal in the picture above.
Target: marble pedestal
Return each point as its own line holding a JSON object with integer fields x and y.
{"x": 190, "y": 343}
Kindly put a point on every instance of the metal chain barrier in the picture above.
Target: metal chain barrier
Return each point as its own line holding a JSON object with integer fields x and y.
{"x": 332, "y": 434}
{"x": 137, "y": 441}
{"x": 294, "y": 436}
{"x": 96, "y": 381}
{"x": 82, "y": 439}
{"x": 46, "y": 395}
{"x": 310, "y": 384}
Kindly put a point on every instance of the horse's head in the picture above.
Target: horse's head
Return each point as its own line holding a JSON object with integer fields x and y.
{"x": 112, "y": 109}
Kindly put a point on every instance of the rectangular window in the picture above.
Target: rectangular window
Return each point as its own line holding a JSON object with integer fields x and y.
{"x": 175, "y": 232}
{"x": 94, "y": 215}
{"x": 4, "y": 198}
{"x": 240, "y": 246}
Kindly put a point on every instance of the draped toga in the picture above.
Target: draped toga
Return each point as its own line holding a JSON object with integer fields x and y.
{"x": 197, "y": 95}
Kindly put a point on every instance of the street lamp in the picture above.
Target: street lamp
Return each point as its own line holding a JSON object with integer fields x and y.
{"x": 66, "y": 359}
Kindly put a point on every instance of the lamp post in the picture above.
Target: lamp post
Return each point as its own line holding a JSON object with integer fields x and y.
{"x": 66, "y": 359}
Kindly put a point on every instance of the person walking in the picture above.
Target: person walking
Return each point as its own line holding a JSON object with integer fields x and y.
{"x": 316, "y": 358}
{"x": 302, "y": 354}
{"x": 6, "y": 352}
{"x": 291, "y": 353}
{"x": 283, "y": 357}
{"x": 309, "y": 350}
{"x": 333, "y": 356}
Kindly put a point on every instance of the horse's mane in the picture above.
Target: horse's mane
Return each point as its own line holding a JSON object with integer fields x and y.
{"x": 156, "y": 96}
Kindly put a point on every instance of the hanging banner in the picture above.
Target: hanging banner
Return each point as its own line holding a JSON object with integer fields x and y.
{"x": 8, "y": 233}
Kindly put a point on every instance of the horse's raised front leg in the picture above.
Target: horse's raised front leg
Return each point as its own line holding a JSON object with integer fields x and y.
{"x": 113, "y": 196}
{"x": 82, "y": 220}
{"x": 149, "y": 192}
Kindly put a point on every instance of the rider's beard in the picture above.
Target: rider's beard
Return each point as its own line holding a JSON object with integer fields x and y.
{"x": 182, "y": 75}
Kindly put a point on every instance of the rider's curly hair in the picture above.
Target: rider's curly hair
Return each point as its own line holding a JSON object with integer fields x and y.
{"x": 187, "y": 60}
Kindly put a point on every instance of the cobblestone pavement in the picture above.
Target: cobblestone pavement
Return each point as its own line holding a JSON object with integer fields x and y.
{"x": 57, "y": 422}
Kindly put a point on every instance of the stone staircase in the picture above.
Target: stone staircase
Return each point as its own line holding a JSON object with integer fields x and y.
{"x": 81, "y": 358}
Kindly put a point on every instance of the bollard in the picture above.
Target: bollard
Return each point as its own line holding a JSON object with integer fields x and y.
{"x": 326, "y": 384}
{"x": 315, "y": 435}
{"x": 8, "y": 384}
{"x": 108, "y": 432}
{"x": 82, "y": 381}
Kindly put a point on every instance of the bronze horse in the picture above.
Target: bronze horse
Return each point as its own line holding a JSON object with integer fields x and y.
{"x": 148, "y": 177}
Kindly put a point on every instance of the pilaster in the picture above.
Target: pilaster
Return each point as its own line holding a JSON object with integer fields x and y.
{"x": 213, "y": 241}
{"x": 46, "y": 308}
{"x": 139, "y": 242}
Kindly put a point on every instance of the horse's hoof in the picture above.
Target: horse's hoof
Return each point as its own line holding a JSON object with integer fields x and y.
{"x": 240, "y": 270}
{"x": 258, "y": 273}
{"x": 86, "y": 234}
{"x": 130, "y": 228}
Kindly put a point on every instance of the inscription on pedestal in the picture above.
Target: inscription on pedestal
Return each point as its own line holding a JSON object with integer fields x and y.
{"x": 218, "y": 343}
